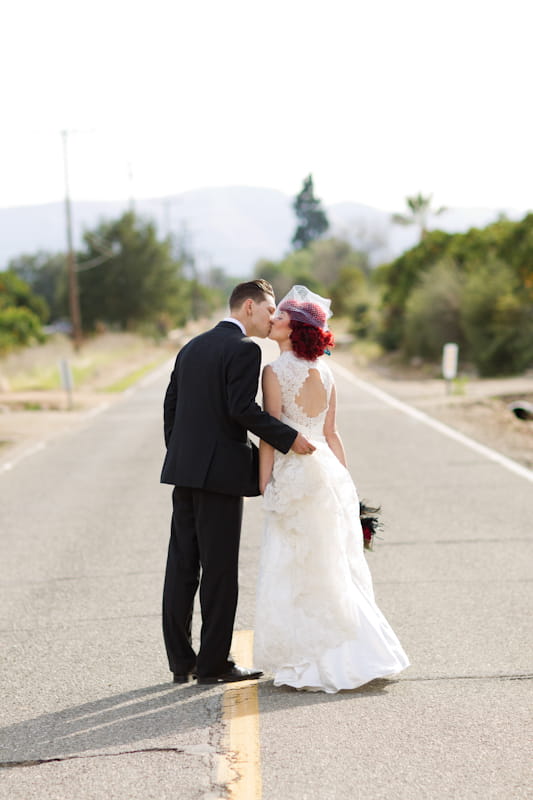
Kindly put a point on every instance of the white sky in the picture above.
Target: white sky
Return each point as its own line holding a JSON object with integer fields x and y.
{"x": 378, "y": 99}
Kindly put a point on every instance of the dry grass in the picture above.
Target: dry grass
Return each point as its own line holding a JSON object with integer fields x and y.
{"x": 102, "y": 364}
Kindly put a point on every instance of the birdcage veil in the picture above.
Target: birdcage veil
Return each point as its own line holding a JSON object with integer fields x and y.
{"x": 306, "y": 306}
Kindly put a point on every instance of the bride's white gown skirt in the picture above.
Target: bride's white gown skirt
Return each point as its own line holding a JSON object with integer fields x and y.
{"x": 317, "y": 624}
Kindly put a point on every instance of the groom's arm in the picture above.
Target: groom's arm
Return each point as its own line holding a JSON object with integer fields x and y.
{"x": 169, "y": 404}
{"x": 242, "y": 381}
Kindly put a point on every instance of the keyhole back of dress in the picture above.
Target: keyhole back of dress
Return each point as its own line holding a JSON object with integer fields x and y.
{"x": 312, "y": 397}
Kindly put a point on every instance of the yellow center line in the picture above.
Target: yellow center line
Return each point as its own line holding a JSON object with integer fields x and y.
{"x": 239, "y": 769}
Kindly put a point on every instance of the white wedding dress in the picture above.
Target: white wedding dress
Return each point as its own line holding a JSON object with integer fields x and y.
{"x": 317, "y": 624}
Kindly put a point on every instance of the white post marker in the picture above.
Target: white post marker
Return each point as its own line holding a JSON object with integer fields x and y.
{"x": 450, "y": 357}
{"x": 67, "y": 381}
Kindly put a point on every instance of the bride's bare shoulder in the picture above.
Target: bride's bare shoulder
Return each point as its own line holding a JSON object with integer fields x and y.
{"x": 269, "y": 374}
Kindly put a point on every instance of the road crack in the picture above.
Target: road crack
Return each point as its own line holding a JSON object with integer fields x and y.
{"x": 59, "y": 759}
{"x": 513, "y": 677}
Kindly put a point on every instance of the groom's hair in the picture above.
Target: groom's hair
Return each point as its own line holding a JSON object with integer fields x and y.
{"x": 256, "y": 290}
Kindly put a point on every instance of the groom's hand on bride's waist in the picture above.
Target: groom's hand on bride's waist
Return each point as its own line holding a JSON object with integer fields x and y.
{"x": 302, "y": 446}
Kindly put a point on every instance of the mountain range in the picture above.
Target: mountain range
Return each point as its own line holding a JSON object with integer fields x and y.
{"x": 228, "y": 227}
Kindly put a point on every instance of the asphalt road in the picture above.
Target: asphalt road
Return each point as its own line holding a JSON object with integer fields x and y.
{"x": 88, "y": 710}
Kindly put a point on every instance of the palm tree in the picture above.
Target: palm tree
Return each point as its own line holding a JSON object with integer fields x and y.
{"x": 419, "y": 211}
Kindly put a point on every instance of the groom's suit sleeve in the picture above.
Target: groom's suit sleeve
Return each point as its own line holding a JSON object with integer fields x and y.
{"x": 242, "y": 381}
{"x": 169, "y": 405}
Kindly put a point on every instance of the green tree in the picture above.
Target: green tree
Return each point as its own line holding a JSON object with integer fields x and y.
{"x": 217, "y": 278}
{"x": 498, "y": 324}
{"x": 128, "y": 277}
{"x": 419, "y": 209}
{"x": 46, "y": 274}
{"x": 21, "y": 312}
{"x": 297, "y": 267}
{"x": 334, "y": 268}
{"x": 330, "y": 257}
{"x": 516, "y": 249}
{"x": 433, "y": 312}
{"x": 275, "y": 273}
{"x": 318, "y": 266}
{"x": 399, "y": 278}
{"x": 496, "y": 306}
{"x": 312, "y": 219}
{"x": 18, "y": 327}
{"x": 15, "y": 293}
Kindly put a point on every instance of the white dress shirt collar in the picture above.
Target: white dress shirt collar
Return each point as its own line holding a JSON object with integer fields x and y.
{"x": 236, "y": 322}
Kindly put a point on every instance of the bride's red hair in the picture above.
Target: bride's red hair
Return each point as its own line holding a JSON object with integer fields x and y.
{"x": 308, "y": 341}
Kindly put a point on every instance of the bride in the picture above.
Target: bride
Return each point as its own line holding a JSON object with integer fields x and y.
{"x": 317, "y": 624}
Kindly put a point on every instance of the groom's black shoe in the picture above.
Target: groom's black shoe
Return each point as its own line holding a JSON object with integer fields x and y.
{"x": 185, "y": 676}
{"x": 232, "y": 675}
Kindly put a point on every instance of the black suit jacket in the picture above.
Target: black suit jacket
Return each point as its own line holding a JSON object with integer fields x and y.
{"x": 209, "y": 407}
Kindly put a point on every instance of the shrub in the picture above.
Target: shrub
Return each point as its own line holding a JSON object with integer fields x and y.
{"x": 19, "y": 326}
{"x": 433, "y": 312}
{"x": 498, "y": 320}
{"x": 15, "y": 293}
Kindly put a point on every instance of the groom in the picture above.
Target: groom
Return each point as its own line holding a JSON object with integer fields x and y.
{"x": 209, "y": 406}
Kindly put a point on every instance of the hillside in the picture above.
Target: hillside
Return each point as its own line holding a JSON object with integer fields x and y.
{"x": 229, "y": 227}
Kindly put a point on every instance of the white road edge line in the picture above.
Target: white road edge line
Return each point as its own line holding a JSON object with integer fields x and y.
{"x": 451, "y": 433}
{"x": 6, "y": 466}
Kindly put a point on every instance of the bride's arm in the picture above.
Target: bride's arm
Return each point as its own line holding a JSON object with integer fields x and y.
{"x": 272, "y": 404}
{"x": 330, "y": 429}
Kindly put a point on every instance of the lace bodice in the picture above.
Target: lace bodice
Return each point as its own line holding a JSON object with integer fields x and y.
{"x": 292, "y": 373}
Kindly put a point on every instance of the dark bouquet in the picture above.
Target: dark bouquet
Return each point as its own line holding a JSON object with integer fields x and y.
{"x": 370, "y": 523}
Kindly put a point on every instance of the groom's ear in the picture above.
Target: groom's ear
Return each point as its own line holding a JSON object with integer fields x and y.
{"x": 248, "y": 305}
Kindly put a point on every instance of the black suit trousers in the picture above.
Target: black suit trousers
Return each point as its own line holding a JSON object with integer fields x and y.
{"x": 203, "y": 551}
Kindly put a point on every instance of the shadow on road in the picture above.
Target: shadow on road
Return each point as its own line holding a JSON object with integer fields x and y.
{"x": 151, "y": 713}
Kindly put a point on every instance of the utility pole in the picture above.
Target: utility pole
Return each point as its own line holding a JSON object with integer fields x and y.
{"x": 189, "y": 260}
{"x": 130, "y": 184}
{"x": 167, "y": 202}
{"x": 73, "y": 293}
